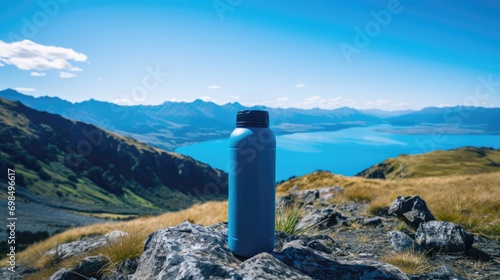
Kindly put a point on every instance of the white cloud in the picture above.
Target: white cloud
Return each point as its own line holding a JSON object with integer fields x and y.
{"x": 66, "y": 75}
{"x": 24, "y": 89}
{"x": 324, "y": 103}
{"x": 38, "y": 74}
{"x": 301, "y": 85}
{"x": 233, "y": 97}
{"x": 282, "y": 99}
{"x": 28, "y": 55}
{"x": 214, "y": 87}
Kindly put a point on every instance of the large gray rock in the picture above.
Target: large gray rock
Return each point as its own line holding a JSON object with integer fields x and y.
{"x": 320, "y": 219}
{"x": 115, "y": 276}
{"x": 18, "y": 273}
{"x": 72, "y": 248}
{"x": 92, "y": 266}
{"x": 88, "y": 268}
{"x": 265, "y": 266}
{"x": 401, "y": 242}
{"x": 63, "y": 274}
{"x": 297, "y": 199}
{"x": 411, "y": 209}
{"x": 69, "y": 249}
{"x": 444, "y": 237}
{"x": 190, "y": 251}
{"x": 128, "y": 266}
{"x": 123, "y": 270}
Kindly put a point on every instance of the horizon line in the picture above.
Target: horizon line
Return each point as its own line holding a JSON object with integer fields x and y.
{"x": 249, "y": 105}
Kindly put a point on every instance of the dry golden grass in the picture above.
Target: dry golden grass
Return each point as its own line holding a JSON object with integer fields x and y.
{"x": 472, "y": 201}
{"x": 205, "y": 214}
{"x": 409, "y": 262}
{"x": 126, "y": 247}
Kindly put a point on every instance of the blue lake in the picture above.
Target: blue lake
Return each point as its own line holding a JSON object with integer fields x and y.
{"x": 345, "y": 152}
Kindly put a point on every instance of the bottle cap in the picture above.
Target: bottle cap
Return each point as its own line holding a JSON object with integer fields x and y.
{"x": 252, "y": 118}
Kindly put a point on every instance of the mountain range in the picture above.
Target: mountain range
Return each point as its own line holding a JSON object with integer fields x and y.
{"x": 74, "y": 165}
{"x": 66, "y": 169}
{"x": 174, "y": 124}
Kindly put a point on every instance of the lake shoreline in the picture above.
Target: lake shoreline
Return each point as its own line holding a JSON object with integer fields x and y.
{"x": 345, "y": 151}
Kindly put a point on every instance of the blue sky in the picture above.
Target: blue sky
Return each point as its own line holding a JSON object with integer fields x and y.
{"x": 364, "y": 54}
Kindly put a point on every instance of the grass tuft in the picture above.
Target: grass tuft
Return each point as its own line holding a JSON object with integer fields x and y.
{"x": 287, "y": 218}
{"x": 126, "y": 247}
{"x": 409, "y": 262}
{"x": 402, "y": 226}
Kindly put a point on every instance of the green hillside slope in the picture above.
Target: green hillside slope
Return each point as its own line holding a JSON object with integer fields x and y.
{"x": 462, "y": 161}
{"x": 74, "y": 165}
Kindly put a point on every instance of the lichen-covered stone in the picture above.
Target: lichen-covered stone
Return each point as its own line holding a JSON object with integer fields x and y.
{"x": 411, "y": 209}
{"x": 444, "y": 237}
{"x": 190, "y": 251}
{"x": 400, "y": 241}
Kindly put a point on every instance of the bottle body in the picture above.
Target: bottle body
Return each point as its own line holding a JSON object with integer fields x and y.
{"x": 252, "y": 194}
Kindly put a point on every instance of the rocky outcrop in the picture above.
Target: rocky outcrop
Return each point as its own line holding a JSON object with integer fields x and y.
{"x": 89, "y": 267}
{"x": 69, "y": 249}
{"x": 401, "y": 242}
{"x": 320, "y": 219}
{"x": 411, "y": 209}
{"x": 437, "y": 236}
{"x": 300, "y": 198}
{"x": 349, "y": 247}
{"x": 444, "y": 237}
{"x": 191, "y": 251}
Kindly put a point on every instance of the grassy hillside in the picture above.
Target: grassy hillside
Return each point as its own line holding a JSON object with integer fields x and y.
{"x": 74, "y": 165}
{"x": 472, "y": 201}
{"x": 463, "y": 161}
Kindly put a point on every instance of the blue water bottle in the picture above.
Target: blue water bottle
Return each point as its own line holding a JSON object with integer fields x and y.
{"x": 252, "y": 191}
